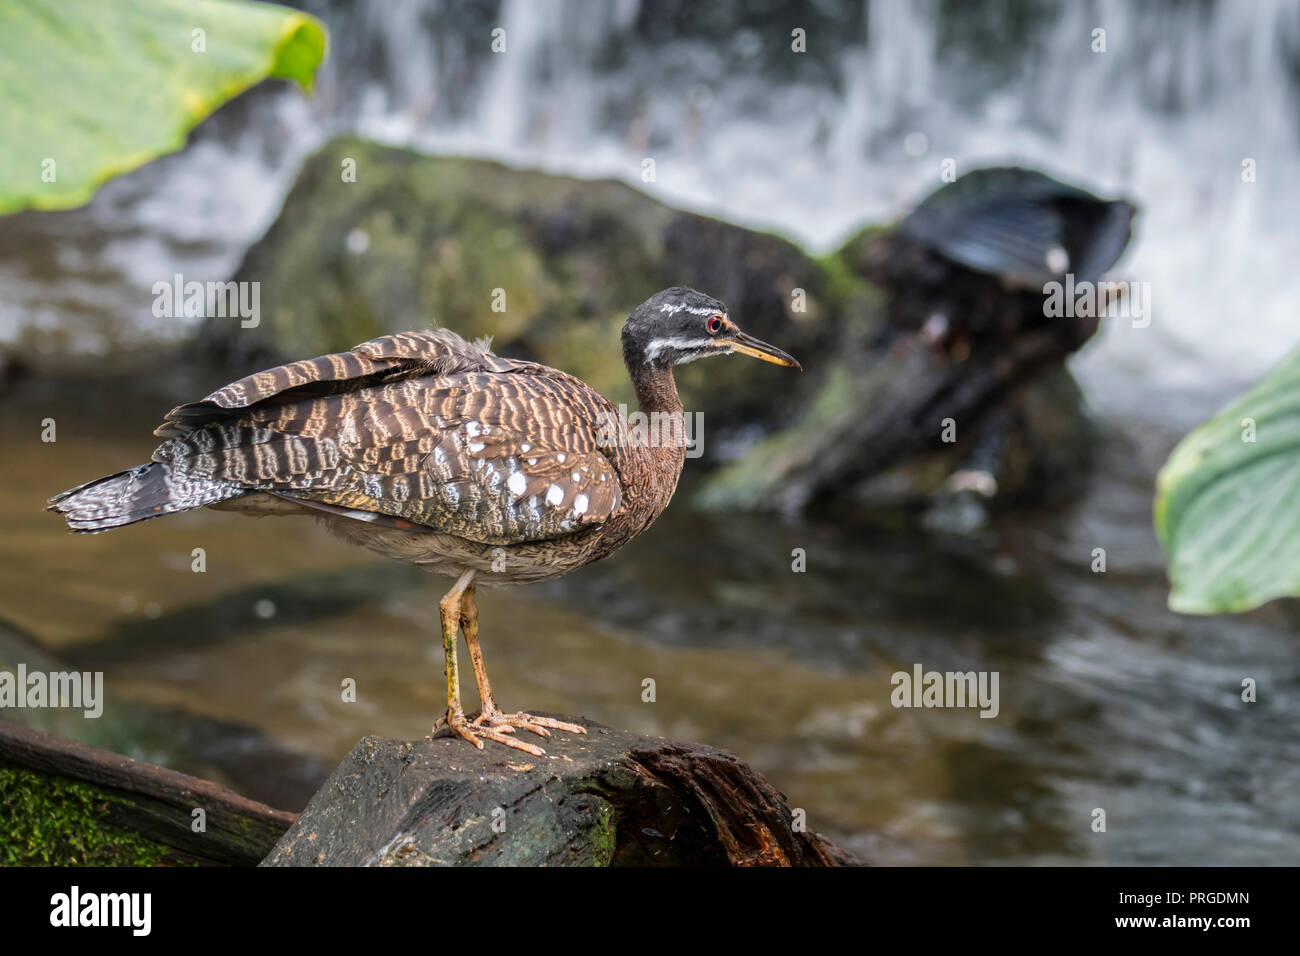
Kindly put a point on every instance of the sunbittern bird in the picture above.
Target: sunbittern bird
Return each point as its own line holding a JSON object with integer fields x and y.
{"x": 432, "y": 450}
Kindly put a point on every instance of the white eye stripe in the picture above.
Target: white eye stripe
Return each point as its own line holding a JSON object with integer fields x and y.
{"x": 678, "y": 342}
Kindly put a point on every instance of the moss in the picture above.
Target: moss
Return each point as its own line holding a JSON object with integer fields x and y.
{"x": 604, "y": 835}
{"x": 53, "y": 821}
{"x": 842, "y": 281}
{"x": 743, "y": 482}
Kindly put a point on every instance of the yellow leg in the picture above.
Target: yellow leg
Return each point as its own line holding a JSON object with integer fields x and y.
{"x": 469, "y": 624}
{"x": 457, "y": 609}
{"x": 449, "y": 618}
{"x": 491, "y": 716}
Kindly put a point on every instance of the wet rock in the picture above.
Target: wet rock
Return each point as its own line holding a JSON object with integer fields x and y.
{"x": 959, "y": 401}
{"x": 974, "y": 256}
{"x": 601, "y": 799}
{"x": 549, "y": 266}
{"x": 892, "y": 435}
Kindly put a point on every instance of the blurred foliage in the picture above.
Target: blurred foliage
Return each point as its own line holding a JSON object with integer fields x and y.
{"x": 1228, "y": 502}
{"x": 93, "y": 89}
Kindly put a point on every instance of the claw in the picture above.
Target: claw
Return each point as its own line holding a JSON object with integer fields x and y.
{"x": 511, "y": 742}
{"x": 489, "y": 726}
{"x": 541, "y": 726}
{"x": 506, "y": 723}
{"x": 458, "y": 609}
{"x": 553, "y": 723}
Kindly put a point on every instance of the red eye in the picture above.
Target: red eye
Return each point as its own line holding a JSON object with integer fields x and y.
{"x": 715, "y": 325}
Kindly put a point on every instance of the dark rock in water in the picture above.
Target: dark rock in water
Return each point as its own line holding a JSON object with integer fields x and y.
{"x": 978, "y": 405}
{"x": 898, "y": 432}
{"x": 1008, "y": 222}
{"x": 549, "y": 266}
{"x": 601, "y": 799}
{"x": 976, "y": 253}
{"x": 13, "y": 369}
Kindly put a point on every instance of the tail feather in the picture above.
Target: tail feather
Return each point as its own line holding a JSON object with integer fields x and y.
{"x": 146, "y": 491}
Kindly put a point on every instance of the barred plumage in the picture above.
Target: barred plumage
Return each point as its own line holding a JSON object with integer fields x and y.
{"x": 433, "y": 450}
{"x": 423, "y": 428}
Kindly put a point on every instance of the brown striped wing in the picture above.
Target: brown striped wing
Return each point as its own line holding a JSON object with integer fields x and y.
{"x": 498, "y": 457}
{"x": 385, "y": 358}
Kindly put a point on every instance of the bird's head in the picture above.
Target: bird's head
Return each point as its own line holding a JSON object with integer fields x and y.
{"x": 680, "y": 325}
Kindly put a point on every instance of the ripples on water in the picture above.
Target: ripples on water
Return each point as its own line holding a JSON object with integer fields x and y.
{"x": 1107, "y": 699}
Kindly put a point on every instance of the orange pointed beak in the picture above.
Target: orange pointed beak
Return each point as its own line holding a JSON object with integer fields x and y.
{"x": 756, "y": 348}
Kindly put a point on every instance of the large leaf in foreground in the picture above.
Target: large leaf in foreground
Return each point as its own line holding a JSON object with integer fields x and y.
{"x": 102, "y": 86}
{"x": 1228, "y": 509}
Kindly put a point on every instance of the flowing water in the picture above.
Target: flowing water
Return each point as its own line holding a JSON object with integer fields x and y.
{"x": 1107, "y": 700}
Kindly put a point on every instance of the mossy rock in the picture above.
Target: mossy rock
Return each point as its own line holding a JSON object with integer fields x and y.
{"x": 869, "y": 439}
{"x": 549, "y": 266}
{"x": 63, "y": 803}
{"x": 53, "y": 821}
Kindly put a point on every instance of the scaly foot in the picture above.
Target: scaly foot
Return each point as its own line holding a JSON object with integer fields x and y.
{"x": 456, "y": 722}
{"x": 506, "y": 723}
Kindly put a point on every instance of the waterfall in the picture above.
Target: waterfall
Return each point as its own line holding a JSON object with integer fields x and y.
{"x": 815, "y": 144}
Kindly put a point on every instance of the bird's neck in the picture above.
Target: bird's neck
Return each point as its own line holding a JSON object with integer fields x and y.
{"x": 659, "y": 443}
{"x": 655, "y": 390}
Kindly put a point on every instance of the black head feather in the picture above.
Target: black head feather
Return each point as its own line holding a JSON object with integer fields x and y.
{"x": 671, "y": 327}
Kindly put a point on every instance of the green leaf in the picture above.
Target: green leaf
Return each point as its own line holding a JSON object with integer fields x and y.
{"x": 90, "y": 89}
{"x": 1228, "y": 509}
